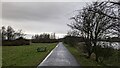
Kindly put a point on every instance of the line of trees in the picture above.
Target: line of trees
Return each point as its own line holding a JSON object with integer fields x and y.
{"x": 96, "y": 21}
{"x": 10, "y": 34}
{"x": 10, "y": 37}
{"x": 44, "y": 38}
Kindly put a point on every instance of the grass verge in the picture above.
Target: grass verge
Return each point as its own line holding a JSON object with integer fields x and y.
{"x": 25, "y": 55}
{"x": 0, "y": 56}
{"x": 80, "y": 57}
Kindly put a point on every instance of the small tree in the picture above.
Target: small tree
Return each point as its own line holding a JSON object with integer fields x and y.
{"x": 3, "y": 33}
{"x": 52, "y": 36}
{"x": 10, "y": 33}
{"x": 19, "y": 34}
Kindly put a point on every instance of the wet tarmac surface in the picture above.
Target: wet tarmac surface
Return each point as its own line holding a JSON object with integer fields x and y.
{"x": 59, "y": 56}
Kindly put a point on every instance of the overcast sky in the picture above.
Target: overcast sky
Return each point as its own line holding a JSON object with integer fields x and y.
{"x": 37, "y": 17}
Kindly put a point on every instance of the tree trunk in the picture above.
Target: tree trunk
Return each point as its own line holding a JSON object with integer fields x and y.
{"x": 95, "y": 50}
{"x": 96, "y": 59}
{"x": 89, "y": 54}
{"x": 89, "y": 45}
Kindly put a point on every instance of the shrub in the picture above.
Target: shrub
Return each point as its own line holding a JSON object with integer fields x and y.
{"x": 16, "y": 42}
{"x": 71, "y": 40}
{"x": 45, "y": 40}
{"x": 103, "y": 52}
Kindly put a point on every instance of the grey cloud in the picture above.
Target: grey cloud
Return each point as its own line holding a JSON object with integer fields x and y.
{"x": 39, "y": 16}
{"x": 36, "y": 10}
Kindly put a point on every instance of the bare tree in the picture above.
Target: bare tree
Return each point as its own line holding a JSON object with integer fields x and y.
{"x": 83, "y": 23}
{"x": 10, "y": 33}
{"x": 41, "y": 36}
{"x": 19, "y": 34}
{"x": 3, "y": 33}
{"x": 112, "y": 9}
{"x": 93, "y": 21}
{"x": 52, "y": 36}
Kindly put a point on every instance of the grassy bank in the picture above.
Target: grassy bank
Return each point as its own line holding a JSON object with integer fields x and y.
{"x": 83, "y": 61}
{"x": 25, "y": 55}
{"x": 0, "y": 56}
{"x": 80, "y": 57}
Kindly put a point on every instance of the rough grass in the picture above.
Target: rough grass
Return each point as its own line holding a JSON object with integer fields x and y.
{"x": 25, "y": 55}
{"x": 114, "y": 60}
{"x": 0, "y": 55}
{"x": 80, "y": 57}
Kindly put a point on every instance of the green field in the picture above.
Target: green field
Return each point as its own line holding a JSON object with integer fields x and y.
{"x": 25, "y": 55}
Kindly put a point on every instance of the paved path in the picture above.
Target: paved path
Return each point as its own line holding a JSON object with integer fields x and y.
{"x": 59, "y": 56}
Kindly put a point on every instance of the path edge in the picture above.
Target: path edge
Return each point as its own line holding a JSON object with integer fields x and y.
{"x": 47, "y": 56}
